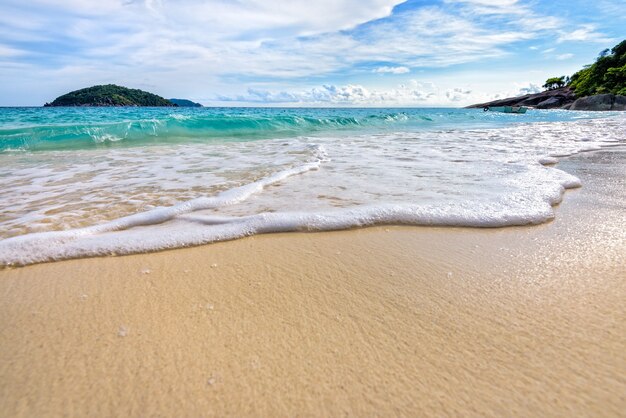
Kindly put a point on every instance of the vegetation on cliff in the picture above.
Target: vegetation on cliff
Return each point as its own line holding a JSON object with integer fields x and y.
{"x": 110, "y": 95}
{"x": 554, "y": 83}
{"x": 606, "y": 75}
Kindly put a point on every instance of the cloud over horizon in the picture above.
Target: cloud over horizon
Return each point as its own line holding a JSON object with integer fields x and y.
{"x": 264, "y": 52}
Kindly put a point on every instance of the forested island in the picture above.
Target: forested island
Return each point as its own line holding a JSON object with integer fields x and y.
{"x": 110, "y": 95}
{"x": 599, "y": 86}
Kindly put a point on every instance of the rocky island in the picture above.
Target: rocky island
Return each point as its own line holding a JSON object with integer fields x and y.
{"x": 109, "y": 95}
{"x": 598, "y": 87}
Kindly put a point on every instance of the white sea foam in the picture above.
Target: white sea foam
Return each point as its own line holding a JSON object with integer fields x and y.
{"x": 59, "y": 205}
{"x": 101, "y": 138}
{"x": 179, "y": 116}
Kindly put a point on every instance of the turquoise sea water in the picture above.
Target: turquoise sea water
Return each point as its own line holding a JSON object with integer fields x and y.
{"x": 95, "y": 181}
{"x": 76, "y": 128}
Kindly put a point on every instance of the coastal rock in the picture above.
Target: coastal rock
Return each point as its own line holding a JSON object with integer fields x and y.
{"x": 597, "y": 102}
{"x": 551, "y": 99}
{"x": 619, "y": 103}
{"x": 600, "y": 102}
{"x": 550, "y": 103}
{"x": 532, "y": 101}
{"x": 563, "y": 98}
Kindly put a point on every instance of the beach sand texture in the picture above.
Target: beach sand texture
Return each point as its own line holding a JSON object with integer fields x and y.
{"x": 385, "y": 321}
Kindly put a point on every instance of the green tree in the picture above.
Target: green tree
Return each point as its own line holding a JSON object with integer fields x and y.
{"x": 554, "y": 83}
{"x": 606, "y": 75}
{"x": 615, "y": 79}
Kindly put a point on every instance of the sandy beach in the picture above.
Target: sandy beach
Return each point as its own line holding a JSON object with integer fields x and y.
{"x": 385, "y": 321}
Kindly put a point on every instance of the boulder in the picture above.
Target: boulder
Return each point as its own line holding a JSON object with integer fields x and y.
{"x": 531, "y": 101}
{"x": 619, "y": 103}
{"x": 563, "y": 96}
{"x": 595, "y": 103}
{"x": 550, "y": 103}
{"x": 562, "y": 99}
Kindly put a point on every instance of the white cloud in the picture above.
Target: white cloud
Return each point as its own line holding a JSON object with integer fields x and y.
{"x": 487, "y": 7}
{"x": 531, "y": 88}
{"x": 7, "y": 51}
{"x": 296, "y": 17}
{"x": 457, "y": 94}
{"x": 413, "y": 93}
{"x": 493, "y": 3}
{"x": 585, "y": 33}
{"x": 196, "y": 48}
{"x": 259, "y": 38}
{"x": 562, "y": 57}
{"x": 612, "y": 8}
{"x": 392, "y": 70}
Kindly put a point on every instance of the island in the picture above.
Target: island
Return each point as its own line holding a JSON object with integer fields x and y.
{"x": 109, "y": 95}
{"x": 600, "y": 86}
{"x": 185, "y": 103}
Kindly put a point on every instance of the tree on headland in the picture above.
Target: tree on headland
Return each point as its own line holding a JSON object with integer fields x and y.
{"x": 617, "y": 76}
{"x": 606, "y": 75}
{"x": 554, "y": 83}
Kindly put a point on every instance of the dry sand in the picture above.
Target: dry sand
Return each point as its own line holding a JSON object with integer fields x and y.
{"x": 374, "y": 322}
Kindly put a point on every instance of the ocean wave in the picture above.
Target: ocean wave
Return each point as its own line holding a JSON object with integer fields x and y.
{"x": 69, "y": 128}
{"x": 184, "y": 127}
{"x": 101, "y": 201}
{"x": 185, "y": 224}
{"x": 188, "y": 224}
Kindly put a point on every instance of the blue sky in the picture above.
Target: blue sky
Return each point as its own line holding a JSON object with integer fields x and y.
{"x": 300, "y": 52}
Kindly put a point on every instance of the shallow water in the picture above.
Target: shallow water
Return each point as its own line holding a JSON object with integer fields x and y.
{"x": 131, "y": 179}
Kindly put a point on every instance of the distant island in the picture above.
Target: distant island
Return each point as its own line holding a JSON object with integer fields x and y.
{"x": 110, "y": 95}
{"x": 599, "y": 86}
{"x": 185, "y": 103}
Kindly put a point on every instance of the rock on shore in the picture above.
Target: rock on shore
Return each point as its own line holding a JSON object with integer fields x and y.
{"x": 600, "y": 102}
{"x": 563, "y": 98}
{"x": 551, "y": 99}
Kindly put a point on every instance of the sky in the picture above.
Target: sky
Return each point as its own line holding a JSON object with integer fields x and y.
{"x": 384, "y": 53}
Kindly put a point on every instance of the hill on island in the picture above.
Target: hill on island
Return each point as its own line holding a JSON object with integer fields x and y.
{"x": 185, "y": 103}
{"x": 110, "y": 95}
{"x": 606, "y": 75}
{"x": 599, "y": 86}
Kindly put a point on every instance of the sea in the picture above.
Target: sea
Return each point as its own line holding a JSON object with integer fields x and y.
{"x": 77, "y": 182}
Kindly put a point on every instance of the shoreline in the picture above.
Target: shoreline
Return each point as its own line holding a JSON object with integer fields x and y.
{"x": 389, "y": 320}
{"x": 263, "y": 223}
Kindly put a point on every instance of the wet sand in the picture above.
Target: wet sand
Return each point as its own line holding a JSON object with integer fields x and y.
{"x": 381, "y": 321}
